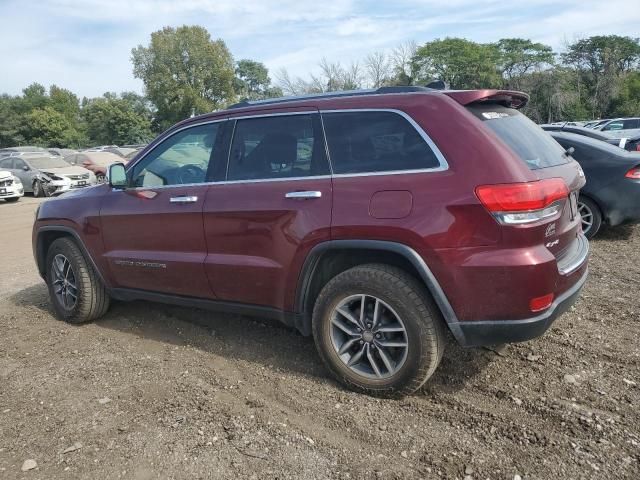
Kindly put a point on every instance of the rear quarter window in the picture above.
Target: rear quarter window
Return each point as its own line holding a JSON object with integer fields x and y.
{"x": 528, "y": 141}
{"x": 375, "y": 141}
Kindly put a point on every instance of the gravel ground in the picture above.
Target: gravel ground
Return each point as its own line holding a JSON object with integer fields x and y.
{"x": 152, "y": 391}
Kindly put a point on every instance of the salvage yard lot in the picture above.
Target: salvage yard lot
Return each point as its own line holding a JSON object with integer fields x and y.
{"x": 152, "y": 391}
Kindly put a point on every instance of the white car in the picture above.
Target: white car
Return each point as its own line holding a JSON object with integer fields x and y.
{"x": 11, "y": 188}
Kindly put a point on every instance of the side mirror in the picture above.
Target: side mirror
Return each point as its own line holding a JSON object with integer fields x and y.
{"x": 26, "y": 168}
{"x": 117, "y": 176}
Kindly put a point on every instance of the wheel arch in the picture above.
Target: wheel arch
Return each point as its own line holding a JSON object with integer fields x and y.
{"x": 46, "y": 235}
{"x": 330, "y": 258}
{"x": 595, "y": 200}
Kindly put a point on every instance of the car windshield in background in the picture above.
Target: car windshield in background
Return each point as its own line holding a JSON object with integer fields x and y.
{"x": 525, "y": 138}
{"x": 47, "y": 162}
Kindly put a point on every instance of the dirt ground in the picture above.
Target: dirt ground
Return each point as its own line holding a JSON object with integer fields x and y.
{"x": 152, "y": 391}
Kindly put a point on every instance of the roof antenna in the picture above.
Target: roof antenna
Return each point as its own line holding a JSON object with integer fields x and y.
{"x": 438, "y": 85}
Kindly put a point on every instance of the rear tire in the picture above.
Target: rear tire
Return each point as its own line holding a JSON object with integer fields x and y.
{"x": 76, "y": 292}
{"x": 590, "y": 215}
{"x": 366, "y": 353}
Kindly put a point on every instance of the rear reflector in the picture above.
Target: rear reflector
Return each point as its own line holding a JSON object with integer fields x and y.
{"x": 634, "y": 173}
{"x": 538, "y": 304}
{"x": 527, "y": 202}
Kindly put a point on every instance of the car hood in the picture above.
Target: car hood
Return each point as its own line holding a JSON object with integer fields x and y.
{"x": 71, "y": 170}
{"x": 4, "y": 175}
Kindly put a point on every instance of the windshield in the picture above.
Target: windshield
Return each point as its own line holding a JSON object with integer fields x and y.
{"x": 47, "y": 162}
{"x": 528, "y": 141}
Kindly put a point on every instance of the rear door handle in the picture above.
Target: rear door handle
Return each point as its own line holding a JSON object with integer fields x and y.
{"x": 303, "y": 195}
{"x": 184, "y": 199}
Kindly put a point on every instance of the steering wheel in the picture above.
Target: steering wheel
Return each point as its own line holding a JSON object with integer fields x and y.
{"x": 191, "y": 174}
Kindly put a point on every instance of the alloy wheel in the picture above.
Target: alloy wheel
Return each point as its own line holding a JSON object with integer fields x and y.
{"x": 64, "y": 283}
{"x": 368, "y": 336}
{"x": 586, "y": 216}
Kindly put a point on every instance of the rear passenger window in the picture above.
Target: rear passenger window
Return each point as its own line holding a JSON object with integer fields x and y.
{"x": 277, "y": 147}
{"x": 367, "y": 142}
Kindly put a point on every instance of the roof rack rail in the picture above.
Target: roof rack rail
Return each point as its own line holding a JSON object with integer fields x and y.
{"x": 345, "y": 93}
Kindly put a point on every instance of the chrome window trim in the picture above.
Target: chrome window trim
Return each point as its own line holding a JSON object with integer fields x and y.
{"x": 314, "y": 111}
{"x": 443, "y": 164}
{"x": 231, "y": 182}
{"x": 280, "y": 179}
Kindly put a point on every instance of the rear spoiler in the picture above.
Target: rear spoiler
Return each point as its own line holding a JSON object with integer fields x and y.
{"x": 508, "y": 98}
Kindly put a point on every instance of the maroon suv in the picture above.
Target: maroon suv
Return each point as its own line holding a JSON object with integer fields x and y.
{"x": 373, "y": 220}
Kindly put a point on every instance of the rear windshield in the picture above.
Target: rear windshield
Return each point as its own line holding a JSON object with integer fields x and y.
{"x": 532, "y": 144}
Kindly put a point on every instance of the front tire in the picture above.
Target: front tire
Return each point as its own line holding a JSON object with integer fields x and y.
{"x": 590, "y": 216}
{"x": 390, "y": 350}
{"x": 12, "y": 200}
{"x": 76, "y": 292}
{"x": 38, "y": 191}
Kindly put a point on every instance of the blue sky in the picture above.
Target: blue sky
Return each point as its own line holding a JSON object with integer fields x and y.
{"x": 85, "y": 45}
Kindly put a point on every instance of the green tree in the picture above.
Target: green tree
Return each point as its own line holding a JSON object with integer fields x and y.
{"x": 184, "y": 71}
{"x": 34, "y": 96}
{"x": 627, "y": 103}
{"x": 47, "y": 127}
{"x": 114, "y": 120}
{"x": 64, "y": 101}
{"x": 460, "y": 63}
{"x": 10, "y": 122}
{"x": 519, "y": 57}
{"x": 253, "y": 82}
{"x": 601, "y": 61}
{"x": 555, "y": 95}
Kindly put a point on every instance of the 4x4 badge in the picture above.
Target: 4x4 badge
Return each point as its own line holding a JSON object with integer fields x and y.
{"x": 550, "y": 231}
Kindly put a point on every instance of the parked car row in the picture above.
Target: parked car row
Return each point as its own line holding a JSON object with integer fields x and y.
{"x": 621, "y": 128}
{"x": 53, "y": 171}
{"x": 46, "y": 176}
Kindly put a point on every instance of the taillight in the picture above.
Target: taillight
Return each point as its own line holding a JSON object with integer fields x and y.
{"x": 527, "y": 202}
{"x": 634, "y": 173}
{"x": 638, "y": 147}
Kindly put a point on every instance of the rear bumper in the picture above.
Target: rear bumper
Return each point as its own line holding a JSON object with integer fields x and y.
{"x": 495, "y": 332}
{"x": 620, "y": 202}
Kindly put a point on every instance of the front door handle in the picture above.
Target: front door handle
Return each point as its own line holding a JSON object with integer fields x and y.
{"x": 303, "y": 195}
{"x": 184, "y": 199}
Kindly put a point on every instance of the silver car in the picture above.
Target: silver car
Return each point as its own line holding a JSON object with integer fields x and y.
{"x": 621, "y": 127}
{"x": 46, "y": 176}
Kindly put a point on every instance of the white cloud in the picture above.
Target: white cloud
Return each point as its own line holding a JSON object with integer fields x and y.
{"x": 85, "y": 45}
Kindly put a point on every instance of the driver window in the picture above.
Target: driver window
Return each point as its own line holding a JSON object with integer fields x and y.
{"x": 18, "y": 164}
{"x": 181, "y": 159}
